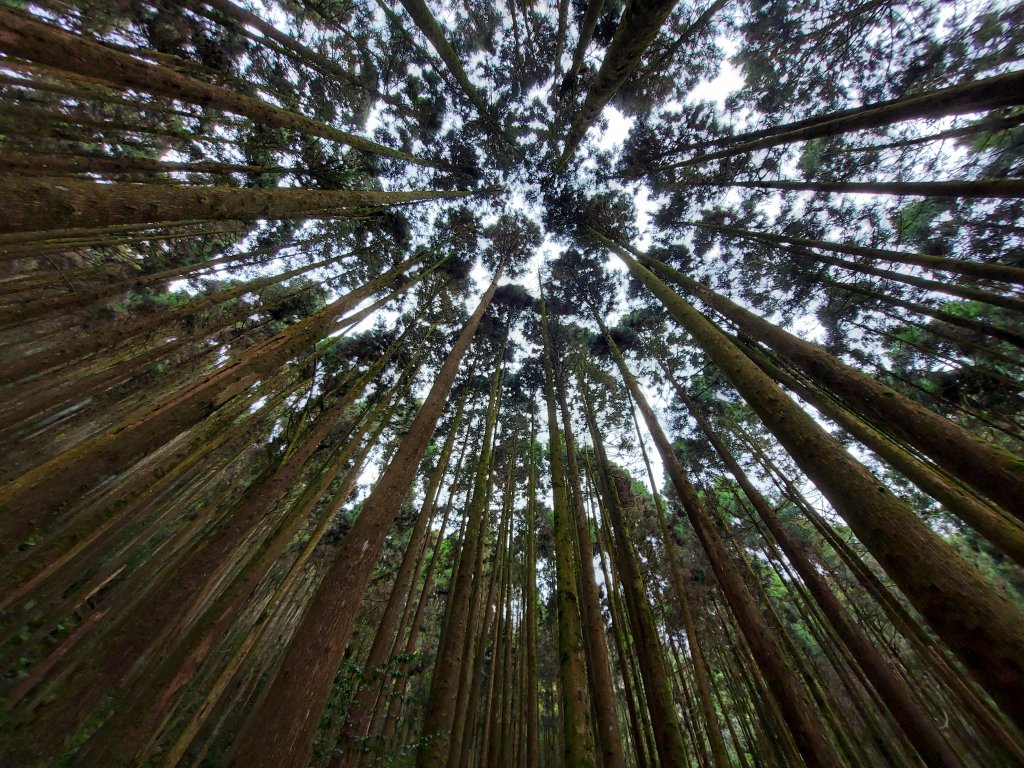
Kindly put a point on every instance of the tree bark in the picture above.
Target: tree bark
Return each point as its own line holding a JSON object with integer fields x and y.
{"x": 786, "y": 690}
{"x": 27, "y": 38}
{"x": 668, "y": 736}
{"x": 979, "y": 188}
{"x": 973, "y": 618}
{"x": 640, "y": 23}
{"x": 980, "y": 270}
{"x": 989, "y": 470}
{"x": 299, "y": 690}
{"x": 39, "y": 205}
{"x": 575, "y": 698}
{"x": 921, "y": 731}
{"x": 973, "y": 96}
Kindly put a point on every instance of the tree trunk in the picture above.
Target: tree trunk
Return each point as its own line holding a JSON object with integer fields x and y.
{"x": 719, "y": 754}
{"x": 973, "y": 96}
{"x": 973, "y": 618}
{"x": 974, "y": 269}
{"x": 764, "y": 645}
{"x": 27, "y": 38}
{"x": 640, "y": 23}
{"x": 532, "y": 710}
{"x": 575, "y": 698}
{"x": 302, "y": 683}
{"x": 606, "y": 722}
{"x": 921, "y": 731}
{"x": 615, "y": 486}
{"x": 988, "y": 469}
{"x": 38, "y": 499}
{"x": 989, "y": 521}
{"x": 980, "y": 188}
{"x": 39, "y": 205}
{"x": 361, "y": 708}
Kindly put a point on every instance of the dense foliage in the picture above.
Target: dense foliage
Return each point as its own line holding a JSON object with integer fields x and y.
{"x": 594, "y": 383}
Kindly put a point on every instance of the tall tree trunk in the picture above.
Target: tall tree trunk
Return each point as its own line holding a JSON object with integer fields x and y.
{"x": 990, "y": 522}
{"x": 362, "y": 705}
{"x": 974, "y": 269}
{"x": 980, "y": 327}
{"x": 572, "y": 670}
{"x": 972, "y": 96}
{"x": 640, "y": 23}
{"x": 296, "y": 695}
{"x": 427, "y": 24}
{"x": 38, "y": 499}
{"x": 764, "y": 645}
{"x": 586, "y": 33}
{"x": 37, "y": 204}
{"x": 719, "y": 754}
{"x": 609, "y": 740}
{"x": 921, "y": 731}
{"x": 988, "y": 469}
{"x": 979, "y": 188}
{"x": 532, "y": 709}
{"x": 40, "y": 42}
{"x": 973, "y": 618}
{"x": 668, "y": 735}
{"x": 439, "y": 721}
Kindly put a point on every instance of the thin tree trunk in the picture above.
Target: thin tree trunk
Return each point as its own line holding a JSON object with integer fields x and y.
{"x": 792, "y": 700}
{"x": 362, "y": 705}
{"x": 39, "y": 499}
{"x": 439, "y": 723}
{"x": 974, "y": 269}
{"x": 979, "y": 188}
{"x": 668, "y": 736}
{"x": 532, "y": 709}
{"x": 719, "y": 754}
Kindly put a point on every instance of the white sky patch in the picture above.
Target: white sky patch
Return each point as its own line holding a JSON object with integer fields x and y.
{"x": 618, "y": 125}
{"x": 728, "y": 81}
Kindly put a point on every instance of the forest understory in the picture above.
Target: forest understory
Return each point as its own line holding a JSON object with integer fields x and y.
{"x": 584, "y": 383}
